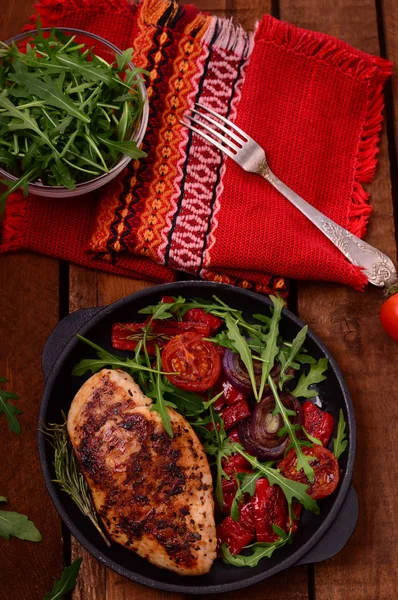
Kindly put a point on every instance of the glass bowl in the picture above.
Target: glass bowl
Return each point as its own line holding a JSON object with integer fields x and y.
{"x": 105, "y": 50}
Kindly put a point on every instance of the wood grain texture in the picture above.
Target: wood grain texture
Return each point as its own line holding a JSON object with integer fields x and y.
{"x": 348, "y": 323}
{"x": 28, "y": 313}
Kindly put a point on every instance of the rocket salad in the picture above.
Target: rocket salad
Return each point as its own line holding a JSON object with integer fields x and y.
{"x": 247, "y": 394}
{"x": 66, "y": 114}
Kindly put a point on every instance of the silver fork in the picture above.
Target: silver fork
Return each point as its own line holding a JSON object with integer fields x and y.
{"x": 239, "y": 146}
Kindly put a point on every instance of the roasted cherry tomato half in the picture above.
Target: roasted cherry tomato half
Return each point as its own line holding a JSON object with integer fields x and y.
{"x": 389, "y": 316}
{"x": 196, "y": 363}
{"x": 326, "y": 469}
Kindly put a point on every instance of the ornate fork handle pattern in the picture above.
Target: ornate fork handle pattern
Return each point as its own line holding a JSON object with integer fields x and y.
{"x": 377, "y": 267}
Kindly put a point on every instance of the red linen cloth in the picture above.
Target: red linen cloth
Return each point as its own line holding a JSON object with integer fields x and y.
{"x": 314, "y": 104}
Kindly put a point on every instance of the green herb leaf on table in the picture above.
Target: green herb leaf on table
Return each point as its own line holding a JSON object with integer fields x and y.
{"x": 340, "y": 442}
{"x": 316, "y": 374}
{"x": 17, "y": 525}
{"x": 67, "y": 582}
{"x": 9, "y": 410}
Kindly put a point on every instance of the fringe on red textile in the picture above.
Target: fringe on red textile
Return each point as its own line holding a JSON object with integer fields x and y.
{"x": 353, "y": 63}
{"x": 367, "y": 151}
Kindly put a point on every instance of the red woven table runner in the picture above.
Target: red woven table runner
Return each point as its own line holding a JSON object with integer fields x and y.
{"x": 313, "y": 103}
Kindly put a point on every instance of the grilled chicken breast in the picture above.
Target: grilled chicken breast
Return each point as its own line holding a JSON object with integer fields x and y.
{"x": 152, "y": 492}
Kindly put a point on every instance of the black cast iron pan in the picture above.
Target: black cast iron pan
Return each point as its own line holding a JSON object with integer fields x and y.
{"x": 319, "y": 537}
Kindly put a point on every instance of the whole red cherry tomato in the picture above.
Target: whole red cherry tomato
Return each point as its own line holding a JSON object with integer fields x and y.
{"x": 389, "y": 316}
{"x": 196, "y": 363}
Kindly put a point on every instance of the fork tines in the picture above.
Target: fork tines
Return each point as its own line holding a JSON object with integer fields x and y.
{"x": 227, "y": 144}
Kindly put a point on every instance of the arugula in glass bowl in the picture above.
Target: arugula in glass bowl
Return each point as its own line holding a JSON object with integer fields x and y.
{"x": 73, "y": 112}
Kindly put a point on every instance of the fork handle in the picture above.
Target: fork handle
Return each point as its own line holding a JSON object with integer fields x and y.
{"x": 377, "y": 267}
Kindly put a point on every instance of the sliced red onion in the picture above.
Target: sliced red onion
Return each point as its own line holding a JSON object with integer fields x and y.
{"x": 262, "y": 451}
{"x": 237, "y": 374}
{"x": 259, "y": 433}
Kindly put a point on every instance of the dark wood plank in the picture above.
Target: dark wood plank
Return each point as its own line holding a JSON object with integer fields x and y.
{"x": 28, "y": 313}
{"x": 348, "y": 323}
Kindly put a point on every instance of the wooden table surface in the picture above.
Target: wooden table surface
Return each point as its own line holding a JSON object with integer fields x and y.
{"x": 37, "y": 291}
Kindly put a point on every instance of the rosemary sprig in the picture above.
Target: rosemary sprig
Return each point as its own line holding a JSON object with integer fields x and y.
{"x": 68, "y": 474}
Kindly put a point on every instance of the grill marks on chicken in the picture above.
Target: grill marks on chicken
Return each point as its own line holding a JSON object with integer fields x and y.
{"x": 153, "y": 492}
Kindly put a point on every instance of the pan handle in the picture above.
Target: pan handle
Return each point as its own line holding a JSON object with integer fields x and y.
{"x": 62, "y": 334}
{"x": 338, "y": 534}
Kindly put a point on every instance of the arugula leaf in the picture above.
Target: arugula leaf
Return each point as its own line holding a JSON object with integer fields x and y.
{"x": 157, "y": 393}
{"x": 67, "y": 582}
{"x": 47, "y": 93}
{"x": 291, "y": 489}
{"x": 124, "y": 59}
{"x": 270, "y": 350}
{"x": 303, "y": 460}
{"x": 312, "y": 439}
{"x": 107, "y": 359}
{"x": 259, "y": 550}
{"x": 243, "y": 349}
{"x": 9, "y": 410}
{"x": 28, "y": 121}
{"x": 186, "y": 402}
{"x": 88, "y": 70}
{"x": 218, "y": 444}
{"x": 315, "y": 375}
{"x": 294, "y": 350}
{"x": 17, "y": 525}
{"x": 14, "y": 185}
{"x": 340, "y": 442}
{"x": 129, "y": 148}
{"x": 51, "y": 93}
{"x": 246, "y": 485}
{"x": 171, "y": 307}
